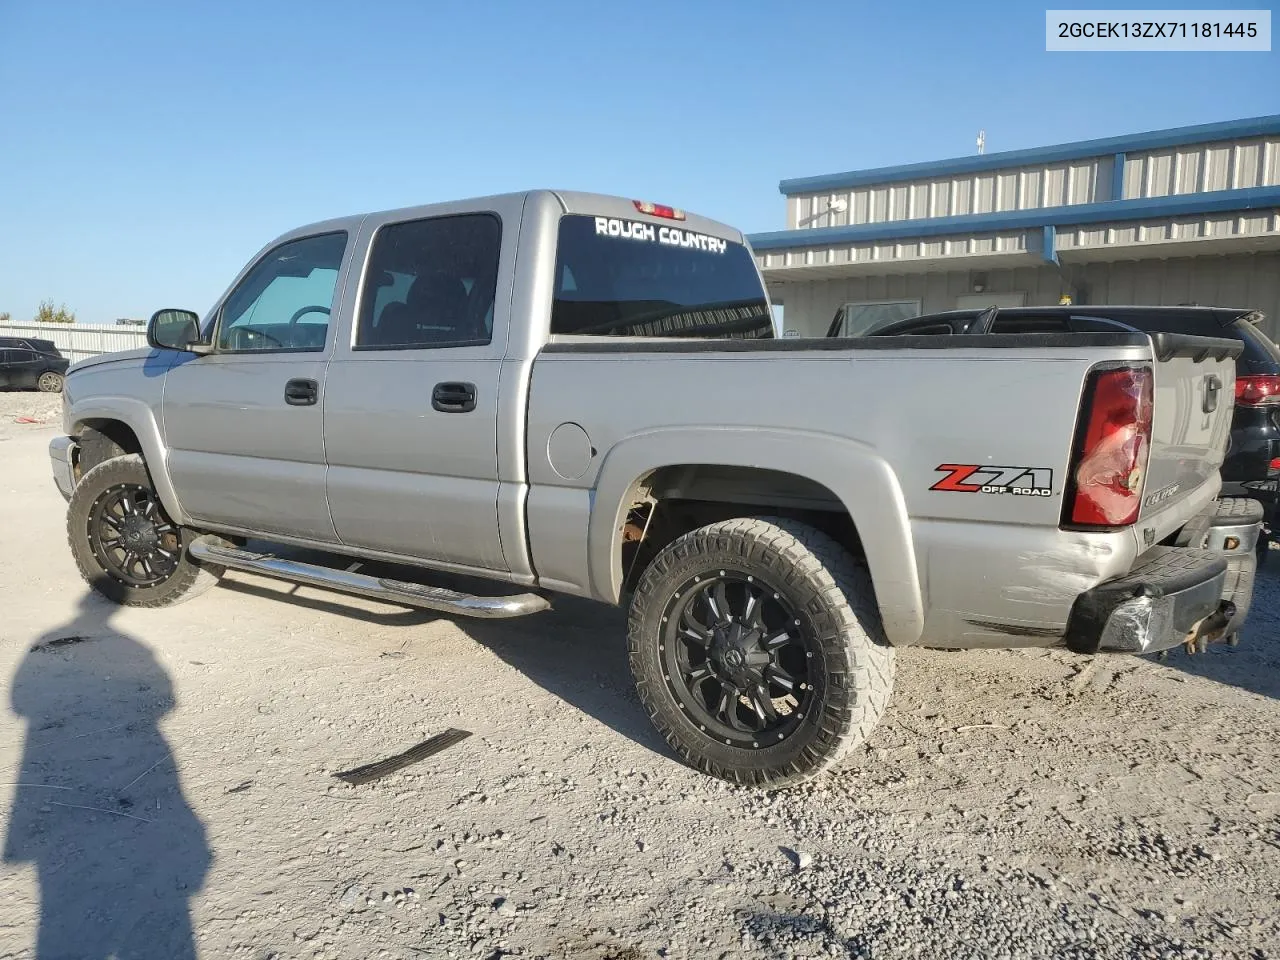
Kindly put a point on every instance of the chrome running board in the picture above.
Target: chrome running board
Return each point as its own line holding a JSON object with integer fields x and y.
{"x": 208, "y": 551}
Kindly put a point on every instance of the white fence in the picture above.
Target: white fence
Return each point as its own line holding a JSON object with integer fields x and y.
{"x": 79, "y": 340}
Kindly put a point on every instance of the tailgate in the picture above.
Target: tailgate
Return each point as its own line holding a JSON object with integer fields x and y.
{"x": 1194, "y": 399}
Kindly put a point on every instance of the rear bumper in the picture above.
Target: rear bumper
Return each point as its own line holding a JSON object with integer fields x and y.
{"x": 62, "y": 452}
{"x": 1235, "y": 525}
{"x": 1190, "y": 594}
{"x": 1173, "y": 596}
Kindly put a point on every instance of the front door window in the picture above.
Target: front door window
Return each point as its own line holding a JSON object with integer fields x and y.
{"x": 285, "y": 301}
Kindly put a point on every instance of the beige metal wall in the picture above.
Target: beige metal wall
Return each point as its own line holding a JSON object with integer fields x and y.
{"x": 1198, "y": 167}
{"x": 1237, "y": 227}
{"x": 1087, "y": 180}
{"x": 1246, "y": 280}
{"x": 1193, "y": 168}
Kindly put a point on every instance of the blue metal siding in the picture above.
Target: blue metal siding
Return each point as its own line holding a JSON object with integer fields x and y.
{"x": 1164, "y": 206}
{"x": 1117, "y": 177}
{"x": 1154, "y": 140}
{"x": 1048, "y": 248}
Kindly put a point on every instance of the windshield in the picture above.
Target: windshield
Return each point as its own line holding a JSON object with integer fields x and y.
{"x": 627, "y": 278}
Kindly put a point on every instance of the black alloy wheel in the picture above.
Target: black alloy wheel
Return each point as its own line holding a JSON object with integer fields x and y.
{"x": 737, "y": 658}
{"x": 133, "y": 540}
{"x": 126, "y": 546}
{"x": 758, "y": 651}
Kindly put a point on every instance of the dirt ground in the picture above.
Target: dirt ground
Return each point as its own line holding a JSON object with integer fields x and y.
{"x": 167, "y": 788}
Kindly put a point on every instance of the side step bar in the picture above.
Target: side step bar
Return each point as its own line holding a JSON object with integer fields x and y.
{"x": 392, "y": 591}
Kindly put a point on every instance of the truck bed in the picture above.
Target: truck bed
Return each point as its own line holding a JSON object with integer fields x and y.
{"x": 873, "y": 422}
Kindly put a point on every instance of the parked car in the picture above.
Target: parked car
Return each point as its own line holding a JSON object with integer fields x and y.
{"x": 1252, "y": 465}
{"x": 31, "y": 364}
{"x": 578, "y": 394}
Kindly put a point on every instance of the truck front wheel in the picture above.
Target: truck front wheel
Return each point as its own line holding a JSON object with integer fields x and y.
{"x": 758, "y": 652}
{"x": 124, "y": 543}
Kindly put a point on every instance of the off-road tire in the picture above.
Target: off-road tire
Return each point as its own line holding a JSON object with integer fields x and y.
{"x": 95, "y": 448}
{"x": 833, "y": 598}
{"x": 49, "y": 382}
{"x": 188, "y": 579}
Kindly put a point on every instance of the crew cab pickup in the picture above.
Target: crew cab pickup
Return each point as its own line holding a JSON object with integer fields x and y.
{"x": 577, "y": 394}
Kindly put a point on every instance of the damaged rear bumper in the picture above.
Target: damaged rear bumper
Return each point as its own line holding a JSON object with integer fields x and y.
{"x": 1173, "y": 596}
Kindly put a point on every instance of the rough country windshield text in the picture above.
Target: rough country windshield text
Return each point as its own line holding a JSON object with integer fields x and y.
{"x": 672, "y": 236}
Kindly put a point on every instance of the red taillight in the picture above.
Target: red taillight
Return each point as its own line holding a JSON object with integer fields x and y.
{"x": 1110, "y": 463}
{"x": 1275, "y": 465}
{"x": 1258, "y": 391}
{"x": 658, "y": 210}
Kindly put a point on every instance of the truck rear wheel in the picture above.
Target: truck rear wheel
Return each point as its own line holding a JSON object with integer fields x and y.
{"x": 758, "y": 652}
{"x": 124, "y": 543}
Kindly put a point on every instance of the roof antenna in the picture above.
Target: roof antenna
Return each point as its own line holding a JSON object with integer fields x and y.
{"x": 982, "y": 142}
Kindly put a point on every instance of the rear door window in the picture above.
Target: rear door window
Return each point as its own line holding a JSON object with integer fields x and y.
{"x": 624, "y": 278}
{"x": 431, "y": 283}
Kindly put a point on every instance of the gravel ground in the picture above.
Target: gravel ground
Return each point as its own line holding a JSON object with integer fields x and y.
{"x": 15, "y": 404}
{"x": 175, "y": 767}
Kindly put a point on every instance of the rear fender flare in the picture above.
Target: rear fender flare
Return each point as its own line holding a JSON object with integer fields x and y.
{"x": 864, "y": 483}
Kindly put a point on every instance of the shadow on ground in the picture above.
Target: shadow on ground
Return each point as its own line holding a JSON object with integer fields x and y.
{"x": 98, "y": 807}
{"x": 576, "y": 651}
{"x": 1254, "y": 665}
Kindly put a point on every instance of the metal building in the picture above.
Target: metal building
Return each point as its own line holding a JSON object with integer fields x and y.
{"x": 1189, "y": 215}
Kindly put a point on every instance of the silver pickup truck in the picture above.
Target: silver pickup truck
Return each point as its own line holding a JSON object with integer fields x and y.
{"x": 579, "y": 394}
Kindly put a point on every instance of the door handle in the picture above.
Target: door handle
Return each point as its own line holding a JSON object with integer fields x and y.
{"x": 1212, "y": 386}
{"x": 454, "y": 397}
{"x": 301, "y": 393}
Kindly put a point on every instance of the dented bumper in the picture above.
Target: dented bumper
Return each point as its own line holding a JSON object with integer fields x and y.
{"x": 1173, "y": 596}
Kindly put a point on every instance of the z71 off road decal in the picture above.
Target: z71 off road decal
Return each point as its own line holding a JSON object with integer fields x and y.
{"x": 978, "y": 478}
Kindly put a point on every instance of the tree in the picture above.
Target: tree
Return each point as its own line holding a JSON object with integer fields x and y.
{"x": 47, "y": 313}
{"x": 4, "y": 317}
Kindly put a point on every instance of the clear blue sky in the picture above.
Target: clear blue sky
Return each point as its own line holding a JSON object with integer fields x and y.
{"x": 147, "y": 150}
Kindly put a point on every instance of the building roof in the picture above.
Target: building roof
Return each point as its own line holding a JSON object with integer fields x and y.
{"x": 1152, "y": 140}
{"x": 1209, "y": 189}
{"x": 1249, "y": 198}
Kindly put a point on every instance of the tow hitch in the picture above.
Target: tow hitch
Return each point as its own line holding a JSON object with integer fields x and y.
{"x": 1211, "y": 629}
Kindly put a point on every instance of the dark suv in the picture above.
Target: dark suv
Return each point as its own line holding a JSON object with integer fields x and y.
{"x": 1252, "y": 466}
{"x": 31, "y": 364}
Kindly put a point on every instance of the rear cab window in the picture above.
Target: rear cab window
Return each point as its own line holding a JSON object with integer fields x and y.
{"x": 631, "y": 278}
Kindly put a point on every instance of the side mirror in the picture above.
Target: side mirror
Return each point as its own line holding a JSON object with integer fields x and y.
{"x": 175, "y": 330}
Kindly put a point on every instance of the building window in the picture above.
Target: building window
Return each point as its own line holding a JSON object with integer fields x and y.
{"x": 856, "y": 319}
